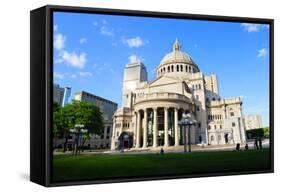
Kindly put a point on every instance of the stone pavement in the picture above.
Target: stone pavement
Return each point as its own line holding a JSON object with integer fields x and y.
{"x": 180, "y": 149}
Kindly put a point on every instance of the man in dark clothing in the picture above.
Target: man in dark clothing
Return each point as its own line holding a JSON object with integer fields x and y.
{"x": 238, "y": 147}
{"x": 260, "y": 143}
{"x": 256, "y": 144}
{"x": 162, "y": 151}
{"x": 246, "y": 147}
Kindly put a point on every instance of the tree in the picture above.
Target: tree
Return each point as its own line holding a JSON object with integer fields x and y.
{"x": 62, "y": 122}
{"x": 76, "y": 113}
{"x": 89, "y": 115}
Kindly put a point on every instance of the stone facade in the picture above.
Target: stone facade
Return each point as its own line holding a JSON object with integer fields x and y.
{"x": 252, "y": 122}
{"x": 151, "y": 110}
{"x": 107, "y": 108}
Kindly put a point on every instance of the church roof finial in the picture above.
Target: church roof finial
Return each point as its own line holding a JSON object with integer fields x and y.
{"x": 176, "y": 45}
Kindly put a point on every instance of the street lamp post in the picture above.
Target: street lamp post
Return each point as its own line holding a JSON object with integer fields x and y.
{"x": 186, "y": 120}
{"x": 78, "y": 131}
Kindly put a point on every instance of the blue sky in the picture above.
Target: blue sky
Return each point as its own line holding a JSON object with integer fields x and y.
{"x": 90, "y": 52}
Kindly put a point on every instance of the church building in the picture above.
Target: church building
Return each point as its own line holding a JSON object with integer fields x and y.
{"x": 151, "y": 110}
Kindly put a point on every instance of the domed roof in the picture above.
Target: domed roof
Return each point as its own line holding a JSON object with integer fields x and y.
{"x": 177, "y": 56}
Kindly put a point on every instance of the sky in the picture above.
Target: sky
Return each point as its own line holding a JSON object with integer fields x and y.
{"x": 91, "y": 51}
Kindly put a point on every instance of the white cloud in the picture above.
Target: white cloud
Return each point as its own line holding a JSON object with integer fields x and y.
{"x": 85, "y": 74}
{"x": 134, "y": 42}
{"x": 55, "y": 28}
{"x": 262, "y": 52}
{"x": 105, "y": 30}
{"x": 134, "y": 59}
{"x": 58, "y": 60}
{"x": 73, "y": 76}
{"x": 75, "y": 60}
{"x": 58, "y": 75}
{"x": 104, "y": 22}
{"x": 82, "y": 40}
{"x": 253, "y": 27}
{"x": 95, "y": 23}
{"x": 59, "y": 41}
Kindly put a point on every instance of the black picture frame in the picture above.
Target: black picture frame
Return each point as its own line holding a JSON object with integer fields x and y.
{"x": 41, "y": 82}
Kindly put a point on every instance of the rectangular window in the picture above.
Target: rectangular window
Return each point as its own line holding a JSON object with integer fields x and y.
{"x": 231, "y": 114}
{"x": 233, "y": 124}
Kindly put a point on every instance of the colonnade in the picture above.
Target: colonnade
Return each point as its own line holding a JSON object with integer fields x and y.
{"x": 142, "y": 127}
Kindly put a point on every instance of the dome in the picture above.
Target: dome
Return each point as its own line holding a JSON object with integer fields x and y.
{"x": 177, "y": 63}
{"x": 176, "y": 56}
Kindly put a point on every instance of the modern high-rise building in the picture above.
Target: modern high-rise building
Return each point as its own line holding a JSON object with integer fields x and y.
{"x": 61, "y": 95}
{"x": 107, "y": 108}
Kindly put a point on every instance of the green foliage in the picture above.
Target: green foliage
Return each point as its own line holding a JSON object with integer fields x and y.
{"x": 87, "y": 114}
{"x": 266, "y": 131}
{"x": 254, "y": 133}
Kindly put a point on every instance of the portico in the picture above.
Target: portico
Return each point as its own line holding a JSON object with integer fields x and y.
{"x": 157, "y": 122}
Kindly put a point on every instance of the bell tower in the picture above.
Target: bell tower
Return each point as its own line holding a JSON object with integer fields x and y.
{"x": 134, "y": 73}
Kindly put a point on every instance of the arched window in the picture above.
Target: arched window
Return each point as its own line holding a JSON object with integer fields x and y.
{"x": 220, "y": 126}
{"x": 164, "y": 70}
{"x": 209, "y": 127}
{"x": 168, "y": 69}
{"x": 215, "y": 127}
{"x": 212, "y": 138}
{"x": 181, "y": 68}
{"x": 186, "y": 68}
{"x": 196, "y": 87}
{"x": 189, "y": 68}
{"x": 194, "y": 70}
{"x": 199, "y": 86}
{"x": 161, "y": 71}
{"x": 172, "y": 68}
{"x": 177, "y": 68}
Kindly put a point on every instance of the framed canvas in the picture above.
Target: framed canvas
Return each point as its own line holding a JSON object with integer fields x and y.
{"x": 127, "y": 95}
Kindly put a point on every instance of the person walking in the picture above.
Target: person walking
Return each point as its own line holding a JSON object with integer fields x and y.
{"x": 260, "y": 143}
{"x": 256, "y": 144}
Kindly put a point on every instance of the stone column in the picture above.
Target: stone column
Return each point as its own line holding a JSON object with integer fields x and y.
{"x": 113, "y": 135}
{"x": 135, "y": 128}
{"x": 155, "y": 128}
{"x": 104, "y": 136}
{"x": 138, "y": 129}
{"x": 145, "y": 129}
{"x": 176, "y": 127}
{"x": 166, "y": 135}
